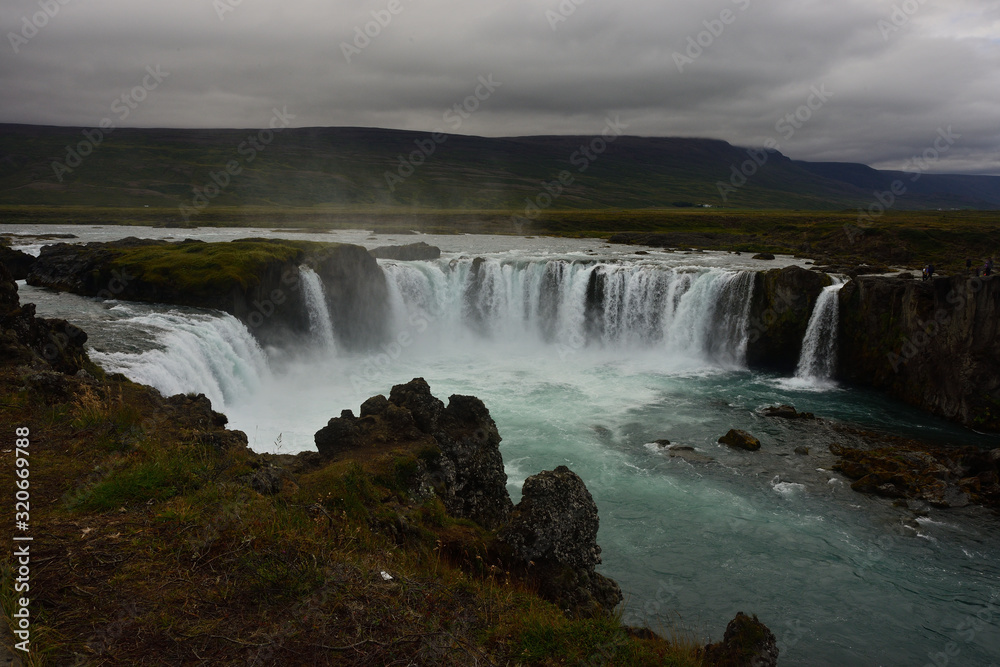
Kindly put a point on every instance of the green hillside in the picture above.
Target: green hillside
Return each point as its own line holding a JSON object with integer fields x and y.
{"x": 369, "y": 170}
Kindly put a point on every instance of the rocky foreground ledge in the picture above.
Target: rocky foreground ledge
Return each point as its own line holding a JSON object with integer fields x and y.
{"x": 160, "y": 537}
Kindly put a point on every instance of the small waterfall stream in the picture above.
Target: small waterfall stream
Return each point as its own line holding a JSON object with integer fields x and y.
{"x": 818, "y": 358}
{"x": 320, "y": 322}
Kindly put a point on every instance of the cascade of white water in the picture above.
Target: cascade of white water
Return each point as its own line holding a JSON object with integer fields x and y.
{"x": 203, "y": 353}
{"x": 818, "y": 358}
{"x": 690, "y": 312}
{"x": 320, "y": 322}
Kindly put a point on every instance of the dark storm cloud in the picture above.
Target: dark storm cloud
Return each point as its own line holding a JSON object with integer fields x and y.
{"x": 893, "y": 72}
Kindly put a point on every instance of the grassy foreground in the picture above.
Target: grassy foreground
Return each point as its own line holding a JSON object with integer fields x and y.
{"x": 152, "y": 546}
{"x": 903, "y": 238}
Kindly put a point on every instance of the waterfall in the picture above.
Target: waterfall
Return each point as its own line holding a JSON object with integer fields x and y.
{"x": 320, "y": 323}
{"x": 211, "y": 354}
{"x": 689, "y": 312}
{"x": 818, "y": 358}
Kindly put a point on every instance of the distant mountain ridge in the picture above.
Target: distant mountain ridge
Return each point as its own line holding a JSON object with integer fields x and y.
{"x": 380, "y": 169}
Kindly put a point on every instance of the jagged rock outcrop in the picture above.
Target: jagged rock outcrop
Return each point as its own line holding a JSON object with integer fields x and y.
{"x": 406, "y": 253}
{"x": 257, "y": 281}
{"x": 551, "y": 535}
{"x": 554, "y": 530}
{"x": 746, "y": 643}
{"x": 17, "y": 262}
{"x": 458, "y": 445}
{"x": 740, "y": 440}
{"x": 29, "y": 340}
{"x": 782, "y": 303}
{"x": 933, "y": 344}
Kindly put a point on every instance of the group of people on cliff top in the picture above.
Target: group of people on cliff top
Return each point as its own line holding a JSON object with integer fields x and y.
{"x": 986, "y": 269}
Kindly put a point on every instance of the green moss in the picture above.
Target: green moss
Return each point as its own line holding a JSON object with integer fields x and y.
{"x": 208, "y": 267}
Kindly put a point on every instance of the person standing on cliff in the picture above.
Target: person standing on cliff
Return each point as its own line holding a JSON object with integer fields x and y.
{"x": 988, "y": 268}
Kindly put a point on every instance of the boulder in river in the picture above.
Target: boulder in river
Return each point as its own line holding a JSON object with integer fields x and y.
{"x": 740, "y": 440}
{"x": 786, "y": 412}
{"x": 943, "y": 477}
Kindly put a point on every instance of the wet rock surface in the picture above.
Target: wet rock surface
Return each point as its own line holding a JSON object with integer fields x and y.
{"x": 786, "y": 412}
{"x": 740, "y": 440}
{"x": 953, "y": 477}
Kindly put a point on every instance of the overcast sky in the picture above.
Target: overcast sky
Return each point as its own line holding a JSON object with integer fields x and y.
{"x": 882, "y": 76}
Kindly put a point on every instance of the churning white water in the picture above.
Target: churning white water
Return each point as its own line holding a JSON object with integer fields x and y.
{"x": 818, "y": 358}
{"x": 690, "y": 314}
{"x": 206, "y": 353}
{"x": 585, "y": 361}
{"x": 320, "y": 322}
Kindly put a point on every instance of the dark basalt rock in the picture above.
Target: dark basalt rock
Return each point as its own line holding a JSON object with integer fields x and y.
{"x": 763, "y": 255}
{"x": 17, "y": 262}
{"x": 357, "y": 295}
{"x": 469, "y": 439}
{"x": 554, "y": 530}
{"x": 780, "y": 309}
{"x": 953, "y": 477}
{"x": 267, "y": 297}
{"x": 786, "y": 412}
{"x": 747, "y": 643}
{"x": 550, "y": 537}
{"x": 555, "y": 520}
{"x": 461, "y": 460}
{"x": 740, "y": 440}
{"x": 416, "y": 397}
{"x": 406, "y": 253}
{"x": 26, "y": 339}
{"x": 934, "y": 344}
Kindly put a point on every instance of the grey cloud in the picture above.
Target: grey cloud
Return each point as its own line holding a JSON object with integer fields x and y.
{"x": 891, "y": 91}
